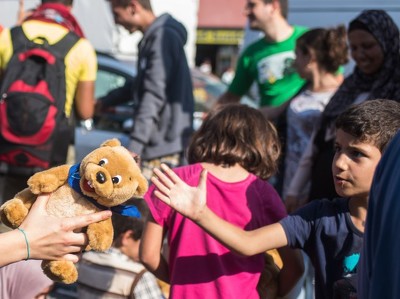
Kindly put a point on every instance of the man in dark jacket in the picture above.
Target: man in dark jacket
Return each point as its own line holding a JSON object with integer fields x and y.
{"x": 163, "y": 92}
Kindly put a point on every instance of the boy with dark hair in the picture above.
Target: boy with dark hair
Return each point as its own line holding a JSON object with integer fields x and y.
{"x": 118, "y": 271}
{"x": 330, "y": 232}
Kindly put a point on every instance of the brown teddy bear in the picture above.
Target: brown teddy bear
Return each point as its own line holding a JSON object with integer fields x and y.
{"x": 106, "y": 178}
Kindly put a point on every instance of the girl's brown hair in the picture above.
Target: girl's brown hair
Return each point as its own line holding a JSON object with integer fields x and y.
{"x": 240, "y": 134}
{"x": 329, "y": 46}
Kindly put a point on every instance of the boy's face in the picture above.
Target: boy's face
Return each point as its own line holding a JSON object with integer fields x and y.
{"x": 353, "y": 165}
{"x": 124, "y": 15}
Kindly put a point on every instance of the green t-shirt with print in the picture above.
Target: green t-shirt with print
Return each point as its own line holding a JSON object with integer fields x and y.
{"x": 271, "y": 66}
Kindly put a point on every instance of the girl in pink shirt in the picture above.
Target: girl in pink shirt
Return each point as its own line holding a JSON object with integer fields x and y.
{"x": 239, "y": 148}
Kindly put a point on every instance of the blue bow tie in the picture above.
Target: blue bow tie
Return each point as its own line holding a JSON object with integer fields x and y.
{"x": 124, "y": 210}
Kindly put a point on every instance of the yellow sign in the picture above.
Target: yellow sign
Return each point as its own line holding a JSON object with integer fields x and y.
{"x": 219, "y": 36}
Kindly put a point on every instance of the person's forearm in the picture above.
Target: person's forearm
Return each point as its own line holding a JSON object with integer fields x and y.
{"x": 162, "y": 271}
{"x": 84, "y": 99}
{"x": 12, "y": 247}
{"x": 240, "y": 241}
{"x": 119, "y": 95}
{"x": 155, "y": 263}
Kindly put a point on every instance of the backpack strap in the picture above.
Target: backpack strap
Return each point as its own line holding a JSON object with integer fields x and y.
{"x": 63, "y": 46}
{"x": 18, "y": 38}
{"x": 136, "y": 281}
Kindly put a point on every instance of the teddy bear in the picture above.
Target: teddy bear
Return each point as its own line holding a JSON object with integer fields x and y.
{"x": 106, "y": 178}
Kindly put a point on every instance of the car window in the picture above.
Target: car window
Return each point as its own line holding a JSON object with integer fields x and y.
{"x": 106, "y": 81}
{"x": 206, "y": 90}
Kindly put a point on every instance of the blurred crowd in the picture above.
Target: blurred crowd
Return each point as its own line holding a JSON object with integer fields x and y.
{"x": 279, "y": 201}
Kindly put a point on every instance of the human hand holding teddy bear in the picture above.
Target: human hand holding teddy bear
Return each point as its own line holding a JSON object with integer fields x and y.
{"x": 105, "y": 179}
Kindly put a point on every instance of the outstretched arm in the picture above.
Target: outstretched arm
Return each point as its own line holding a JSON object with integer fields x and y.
{"x": 191, "y": 202}
{"x": 49, "y": 237}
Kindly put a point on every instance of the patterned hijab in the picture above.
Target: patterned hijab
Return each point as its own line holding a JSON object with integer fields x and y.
{"x": 386, "y": 83}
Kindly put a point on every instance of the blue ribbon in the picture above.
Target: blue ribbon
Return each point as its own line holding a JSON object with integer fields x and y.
{"x": 124, "y": 210}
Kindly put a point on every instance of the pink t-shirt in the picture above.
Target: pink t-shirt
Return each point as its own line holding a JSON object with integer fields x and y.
{"x": 200, "y": 267}
{"x": 23, "y": 280}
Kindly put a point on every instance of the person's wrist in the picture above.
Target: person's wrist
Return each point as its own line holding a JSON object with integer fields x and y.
{"x": 202, "y": 215}
{"x": 19, "y": 250}
{"x": 27, "y": 246}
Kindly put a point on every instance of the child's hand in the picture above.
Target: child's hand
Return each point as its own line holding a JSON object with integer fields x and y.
{"x": 189, "y": 201}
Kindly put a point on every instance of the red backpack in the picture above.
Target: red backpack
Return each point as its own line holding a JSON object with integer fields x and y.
{"x": 34, "y": 131}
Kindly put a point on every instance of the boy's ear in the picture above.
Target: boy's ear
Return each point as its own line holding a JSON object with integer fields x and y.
{"x": 276, "y": 4}
{"x": 127, "y": 236}
{"x": 135, "y": 5}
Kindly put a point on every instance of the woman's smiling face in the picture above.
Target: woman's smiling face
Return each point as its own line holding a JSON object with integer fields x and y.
{"x": 366, "y": 51}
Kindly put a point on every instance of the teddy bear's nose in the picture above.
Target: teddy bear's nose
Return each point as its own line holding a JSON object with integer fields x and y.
{"x": 101, "y": 177}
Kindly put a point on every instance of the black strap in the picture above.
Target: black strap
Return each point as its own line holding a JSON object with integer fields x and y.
{"x": 60, "y": 49}
{"x": 18, "y": 38}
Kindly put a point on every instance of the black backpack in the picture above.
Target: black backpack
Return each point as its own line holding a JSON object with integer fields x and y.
{"x": 34, "y": 131}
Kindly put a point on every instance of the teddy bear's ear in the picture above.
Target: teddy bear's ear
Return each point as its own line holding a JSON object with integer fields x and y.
{"x": 111, "y": 142}
{"x": 142, "y": 187}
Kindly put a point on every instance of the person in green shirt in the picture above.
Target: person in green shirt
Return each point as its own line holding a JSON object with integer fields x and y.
{"x": 268, "y": 61}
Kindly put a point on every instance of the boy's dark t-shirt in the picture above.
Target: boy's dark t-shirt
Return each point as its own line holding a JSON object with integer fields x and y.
{"x": 324, "y": 230}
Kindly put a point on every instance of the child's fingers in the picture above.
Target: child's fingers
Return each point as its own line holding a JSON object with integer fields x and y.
{"x": 203, "y": 179}
{"x": 162, "y": 197}
{"x": 171, "y": 174}
{"x": 160, "y": 185}
{"x": 165, "y": 180}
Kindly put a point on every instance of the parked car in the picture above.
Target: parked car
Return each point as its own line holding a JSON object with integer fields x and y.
{"x": 116, "y": 122}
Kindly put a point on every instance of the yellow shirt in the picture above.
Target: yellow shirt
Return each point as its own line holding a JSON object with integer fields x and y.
{"x": 80, "y": 62}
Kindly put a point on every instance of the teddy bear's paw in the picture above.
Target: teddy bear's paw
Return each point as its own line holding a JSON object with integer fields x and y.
{"x": 43, "y": 183}
{"x": 13, "y": 213}
{"x": 100, "y": 235}
{"x": 101, "y": 244}
{"x": 60, "y": 271}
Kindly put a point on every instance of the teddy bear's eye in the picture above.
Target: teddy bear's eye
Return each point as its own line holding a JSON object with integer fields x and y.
{"x": 103, "y": 162}
{"x": 117, "y": 179}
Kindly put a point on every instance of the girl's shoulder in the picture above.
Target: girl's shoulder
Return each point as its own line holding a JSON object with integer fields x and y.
{"x": 189, "y": 173}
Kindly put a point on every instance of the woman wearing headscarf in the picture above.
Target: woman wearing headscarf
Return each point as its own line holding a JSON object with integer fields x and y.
{"x": 374, "y": 41}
